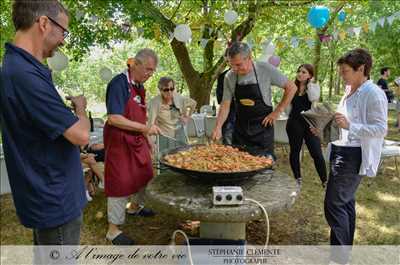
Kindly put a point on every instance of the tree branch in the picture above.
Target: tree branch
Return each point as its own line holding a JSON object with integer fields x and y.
{"x": 317, "y": 50}
{"x": 243, "y": 30}
{"x": 176, "y": 10}
{"x": 180, "y": 51}
{"x": 287, "y": 4}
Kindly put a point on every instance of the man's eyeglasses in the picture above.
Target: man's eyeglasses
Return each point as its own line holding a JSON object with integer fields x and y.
{"x": 65, "y": 31}
{"x": 147, "y": 70}
{"x": 168, "y": 89}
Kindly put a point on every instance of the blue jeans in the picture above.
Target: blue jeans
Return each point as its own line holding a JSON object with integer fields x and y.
{"x": 339, "y": 204}
{"x": 65, "y": 234}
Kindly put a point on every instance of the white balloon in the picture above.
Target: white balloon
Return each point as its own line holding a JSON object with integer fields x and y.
{"x": 58, "y": 62}
{"x": 105, "y": 74}
{"x": 183, "y": 33}
{"x": 269, "y": 49}
{"x": 230, "y": 17}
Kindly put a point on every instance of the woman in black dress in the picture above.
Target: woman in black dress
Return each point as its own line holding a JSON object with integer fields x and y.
{"x": 298, "y": 129}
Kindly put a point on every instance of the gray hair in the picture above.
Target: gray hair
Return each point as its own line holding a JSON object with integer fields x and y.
{"x": 165, "y": 80}
{"x": 25, "y": 13}
{"x": 239, "y": 48}
{"x": 143, "y": 54}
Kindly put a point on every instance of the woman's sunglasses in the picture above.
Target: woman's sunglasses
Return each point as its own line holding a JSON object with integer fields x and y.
{"x": 168, "y": 89}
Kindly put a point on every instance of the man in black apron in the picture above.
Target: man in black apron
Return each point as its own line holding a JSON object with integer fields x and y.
{"x": 249, "y": 84}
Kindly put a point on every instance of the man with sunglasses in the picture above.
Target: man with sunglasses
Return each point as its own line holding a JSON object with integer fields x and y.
{"x": 128, "y": 165}
{"x": 170, "y": 111}
{"x": 249, "y": 85}
{"x": 46, "y": 178}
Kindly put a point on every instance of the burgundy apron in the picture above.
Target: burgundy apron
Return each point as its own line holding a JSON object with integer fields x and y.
{"x": 128, "y": 164}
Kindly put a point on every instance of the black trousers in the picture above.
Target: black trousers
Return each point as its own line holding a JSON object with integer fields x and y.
{"x": 298, "y": 131}
{"x": 339, "y": 205}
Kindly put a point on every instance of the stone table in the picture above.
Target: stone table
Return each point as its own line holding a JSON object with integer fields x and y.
{"x": 188, "y": 198}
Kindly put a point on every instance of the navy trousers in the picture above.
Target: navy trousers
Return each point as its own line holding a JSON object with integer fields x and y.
{"x": 339, "y": 203}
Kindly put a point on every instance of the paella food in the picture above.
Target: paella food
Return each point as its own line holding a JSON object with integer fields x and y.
{"x": 217, "y": 158}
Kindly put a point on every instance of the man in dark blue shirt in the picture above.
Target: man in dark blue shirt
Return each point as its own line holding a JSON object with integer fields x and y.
{"x": 40, "y": 133}
{"x": 383, "y": 83}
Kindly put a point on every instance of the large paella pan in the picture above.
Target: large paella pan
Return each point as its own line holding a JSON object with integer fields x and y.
{"x": 215, "y": 163}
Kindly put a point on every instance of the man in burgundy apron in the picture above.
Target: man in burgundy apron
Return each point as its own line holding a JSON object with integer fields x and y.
{"x": 128, "y": 165}
{"x": 249, "y": 84}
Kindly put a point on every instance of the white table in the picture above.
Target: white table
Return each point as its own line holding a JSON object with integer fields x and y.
{"x": 96, "y": 137}
{"x": 280, "y": 135}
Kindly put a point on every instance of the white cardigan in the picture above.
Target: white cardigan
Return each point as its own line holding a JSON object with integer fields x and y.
{"x": 370, "y": 125}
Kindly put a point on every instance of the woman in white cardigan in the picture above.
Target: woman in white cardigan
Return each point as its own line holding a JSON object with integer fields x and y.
{"x": 170, "y": 111}
{"x": 362, "y": 119}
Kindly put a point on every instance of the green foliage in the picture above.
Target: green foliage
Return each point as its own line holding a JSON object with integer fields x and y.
{"x": 6, "y": 26}
{"x": 106, "y": 32}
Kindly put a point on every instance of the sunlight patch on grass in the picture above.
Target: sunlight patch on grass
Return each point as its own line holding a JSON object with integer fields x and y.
{"x": 365, "y": 212}
{"x": 393, "y": 230}
{"x": 387, "y": 197}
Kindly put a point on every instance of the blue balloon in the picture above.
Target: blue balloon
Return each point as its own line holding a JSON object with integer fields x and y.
{"x": 342, "y": 16}
{"x": 318, "y": 16}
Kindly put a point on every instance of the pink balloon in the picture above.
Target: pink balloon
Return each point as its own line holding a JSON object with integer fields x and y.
{"x": 274, "y": 60}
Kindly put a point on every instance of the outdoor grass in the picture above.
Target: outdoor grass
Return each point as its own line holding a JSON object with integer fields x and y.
{"x": 378, "y": 214}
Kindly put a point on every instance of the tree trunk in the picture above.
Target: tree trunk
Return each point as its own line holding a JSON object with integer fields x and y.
{"x": 331, "y": 74}
{"x": 338, "y": 83}
{"x": 318, "y": 44}
{"x": 200, "y": 84}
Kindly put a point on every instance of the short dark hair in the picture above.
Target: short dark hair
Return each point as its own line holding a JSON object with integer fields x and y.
{"x": 165, "y": 80}
{"x": 357, "y": 57}
{"x": 239, "y": 48}
{"x": 25, "y": 12}
{"x": 384, "y": 69}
